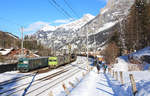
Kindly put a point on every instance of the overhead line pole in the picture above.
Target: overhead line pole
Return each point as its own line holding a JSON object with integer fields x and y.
{"x": 87, "y": 45}
{"x": 22, "y": 51}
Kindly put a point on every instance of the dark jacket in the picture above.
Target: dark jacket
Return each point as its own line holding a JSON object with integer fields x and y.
{"x": 98, "y": 66}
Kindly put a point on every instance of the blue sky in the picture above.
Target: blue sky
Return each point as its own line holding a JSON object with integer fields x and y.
{"x": 32, "y": 14}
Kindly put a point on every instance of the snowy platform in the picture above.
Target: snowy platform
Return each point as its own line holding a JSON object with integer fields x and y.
{"x": 94, "y": 85}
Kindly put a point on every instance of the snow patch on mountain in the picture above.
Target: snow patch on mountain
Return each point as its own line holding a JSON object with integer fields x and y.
{"x": 62, "y": 34}
{"x": 103, "y": 11}
{"x": 77, "y": 23}
{"x": 48, "y": 28}
{"x": 106, "y": 26}
{"x": 74, "y": 25}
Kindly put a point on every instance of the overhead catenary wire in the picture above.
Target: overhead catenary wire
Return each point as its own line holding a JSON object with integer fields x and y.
{"x": 2, "y": 18}
{"x": 49, "y": 1}
{"x": 62, "y": 9}
{"x": 71, "y": 8}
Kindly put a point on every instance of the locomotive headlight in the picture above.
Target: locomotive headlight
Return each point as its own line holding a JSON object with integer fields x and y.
{"x": 25, "y": 62}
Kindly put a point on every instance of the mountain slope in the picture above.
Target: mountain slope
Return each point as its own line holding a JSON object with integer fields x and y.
{"x": 8, "y": 40}
{"x": 105, "y": 23}
{"x": 61, "y": 35}
{"x": 100, "y": 27}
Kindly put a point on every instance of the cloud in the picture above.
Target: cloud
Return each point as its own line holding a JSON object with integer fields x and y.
{"x": 36, "y": 26}
{"x": 63, "y": 20}
{"x": 103, "y": 0}
{"x": 39, "y": 24}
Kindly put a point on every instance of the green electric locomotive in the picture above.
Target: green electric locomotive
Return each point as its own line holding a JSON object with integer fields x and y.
{"x": 28, "y": 64}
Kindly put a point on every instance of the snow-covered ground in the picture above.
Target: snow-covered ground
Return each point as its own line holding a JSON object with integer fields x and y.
{"x": 105, "y": 85}
{"x": 34, "y": 85}
{"x": 140, "y": 53}
{"x": 92, "y": 84}
{"x": 121, "y": 64}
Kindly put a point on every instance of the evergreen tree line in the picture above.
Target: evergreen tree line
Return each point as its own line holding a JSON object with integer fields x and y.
{"x": 34, "y": 45}
{"x": 7, "y": 41}
{"x": 133, "y": 32}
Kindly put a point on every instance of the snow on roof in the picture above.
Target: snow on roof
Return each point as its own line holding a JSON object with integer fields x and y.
{"x": 6, "y": 51}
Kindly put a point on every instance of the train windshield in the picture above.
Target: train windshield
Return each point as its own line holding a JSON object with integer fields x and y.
{"x": 52, "y": 60}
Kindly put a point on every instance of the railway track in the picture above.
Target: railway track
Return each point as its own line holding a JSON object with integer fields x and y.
{"x": 69, "y": 76}
{"x": 16, "y": 79}
{"x": 54, "y": 82}
{"x": 39, "y": 71}
{"x": 23, "y": 86}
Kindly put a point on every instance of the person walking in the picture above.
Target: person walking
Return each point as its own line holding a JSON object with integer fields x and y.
{"x": 98, "y": 66}
{"x": 105, "y": 67}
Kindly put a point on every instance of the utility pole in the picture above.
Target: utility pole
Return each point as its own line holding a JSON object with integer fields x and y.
{"x": 22, "y": 51}
{"x": 87, "y": 45}
{"x": 94, "y": 44}
{"x": 54, "y": 47}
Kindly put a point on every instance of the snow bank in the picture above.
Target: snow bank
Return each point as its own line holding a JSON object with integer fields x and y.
{"x": 144, "y": 90}
{"x": 121, "y": 64}
{"x": 137, "y": 55}
{"x": 142, "y": 79}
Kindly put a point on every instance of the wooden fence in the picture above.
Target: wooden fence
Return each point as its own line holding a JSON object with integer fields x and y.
{"x": 115, "y": 75}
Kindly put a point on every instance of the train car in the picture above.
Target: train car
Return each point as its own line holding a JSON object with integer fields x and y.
{"x": 28, "y": 64}
{"x": 55, "y": 61}
{"x": 67, "y": 59}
